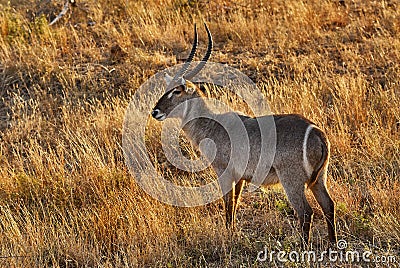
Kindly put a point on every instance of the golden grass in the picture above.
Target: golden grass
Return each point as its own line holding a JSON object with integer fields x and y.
{"x": 66, "y": 197}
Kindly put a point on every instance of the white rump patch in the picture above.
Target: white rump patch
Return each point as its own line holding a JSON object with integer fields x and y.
{"x": 307, "y": 167}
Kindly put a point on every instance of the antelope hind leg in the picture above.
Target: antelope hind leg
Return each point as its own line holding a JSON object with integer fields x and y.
{"x": 298, "y": 200}
{"x": 328, "y": 207}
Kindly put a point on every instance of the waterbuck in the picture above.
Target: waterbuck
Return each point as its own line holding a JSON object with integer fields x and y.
{"x": 301, "y": 153}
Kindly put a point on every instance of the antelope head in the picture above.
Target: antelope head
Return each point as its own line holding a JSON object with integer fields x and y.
{"x": 179, "y": 89}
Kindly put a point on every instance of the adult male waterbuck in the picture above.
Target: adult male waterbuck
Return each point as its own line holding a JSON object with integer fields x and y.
{"x": 301, "y": 154}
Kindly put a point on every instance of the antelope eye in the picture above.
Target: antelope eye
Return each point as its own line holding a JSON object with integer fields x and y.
{"x": 177, "y": 92}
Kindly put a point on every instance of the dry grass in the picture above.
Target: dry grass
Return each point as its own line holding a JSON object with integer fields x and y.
{"x": 66, "y": 197}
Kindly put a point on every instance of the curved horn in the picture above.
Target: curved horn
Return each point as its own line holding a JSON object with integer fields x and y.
{"x": 184, "y": 68}
{"x": 203, "y": 62}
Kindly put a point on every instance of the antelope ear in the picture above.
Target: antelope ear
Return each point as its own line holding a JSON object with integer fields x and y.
{"x": 182, "y": 81}
{"x": 168, "y": 79}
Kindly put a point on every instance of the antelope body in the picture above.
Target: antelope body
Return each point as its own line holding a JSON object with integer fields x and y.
{"x": 301, "y": 154}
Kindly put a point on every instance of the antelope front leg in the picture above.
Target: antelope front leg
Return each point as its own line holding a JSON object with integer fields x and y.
{"x": 238, "y": 192}
{"x": 231, "y": 200}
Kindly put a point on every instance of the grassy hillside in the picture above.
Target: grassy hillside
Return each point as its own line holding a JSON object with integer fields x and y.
{"x": 66, "y": 196}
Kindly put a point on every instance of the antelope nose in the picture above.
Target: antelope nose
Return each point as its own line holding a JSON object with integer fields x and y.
{"x": 155, "y": 112}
